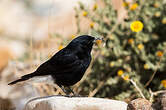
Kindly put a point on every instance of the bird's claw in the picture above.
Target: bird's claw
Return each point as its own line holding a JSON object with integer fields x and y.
{"x": 74, "y": 95}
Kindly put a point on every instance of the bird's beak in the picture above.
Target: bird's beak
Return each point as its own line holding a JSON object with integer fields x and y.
{"x": 98, "y": 39}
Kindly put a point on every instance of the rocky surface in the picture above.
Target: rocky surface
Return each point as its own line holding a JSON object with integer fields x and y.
{"x": 74, "y": 103}
{"x": 139, "y": 104}
{"x": 160, "y": 102}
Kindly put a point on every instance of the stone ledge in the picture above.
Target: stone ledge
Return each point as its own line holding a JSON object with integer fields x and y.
{"x": 74, "y": 103}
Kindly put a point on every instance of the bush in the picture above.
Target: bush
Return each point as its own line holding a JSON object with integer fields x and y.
{"x": 130, "y": 51}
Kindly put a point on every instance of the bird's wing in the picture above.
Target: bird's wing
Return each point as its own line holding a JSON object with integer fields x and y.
{"x": 65, "y": 61}
{"x": 62, "y": 62}
{"x": 63, "y": 57}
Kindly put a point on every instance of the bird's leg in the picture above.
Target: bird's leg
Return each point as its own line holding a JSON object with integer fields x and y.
{"x": 63, "y": 89}
{"x": 71, "y": 90}
{"x": 74, "y": 94}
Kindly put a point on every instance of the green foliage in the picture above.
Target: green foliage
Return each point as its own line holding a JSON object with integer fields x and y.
{"x": 136, "y": 53}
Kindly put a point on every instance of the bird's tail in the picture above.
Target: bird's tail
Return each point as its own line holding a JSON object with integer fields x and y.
{"x": 23, "y": 78}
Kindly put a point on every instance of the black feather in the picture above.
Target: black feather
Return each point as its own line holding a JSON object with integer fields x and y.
{"x": 67, "y": 66}
{"x": 23, "y": 78}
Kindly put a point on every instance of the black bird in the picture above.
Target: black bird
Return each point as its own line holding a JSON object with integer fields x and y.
{"x": 67, "y": 66}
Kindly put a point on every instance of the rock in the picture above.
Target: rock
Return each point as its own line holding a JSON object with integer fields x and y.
{"x": 160, "y": 102}
{"x": 74, "y": 103}
{"x": 139, "y": 104}
{"x": 6, "y": 104}
{"x": 163, "y": 101}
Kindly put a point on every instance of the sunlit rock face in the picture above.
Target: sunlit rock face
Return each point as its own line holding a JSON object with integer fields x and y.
{"x": 74, "y": 103}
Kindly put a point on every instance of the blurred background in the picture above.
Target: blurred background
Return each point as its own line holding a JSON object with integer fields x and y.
{"x": 130, "y": 63}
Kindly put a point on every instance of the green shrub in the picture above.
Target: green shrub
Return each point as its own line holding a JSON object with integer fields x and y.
{"x": 131, "y": 55}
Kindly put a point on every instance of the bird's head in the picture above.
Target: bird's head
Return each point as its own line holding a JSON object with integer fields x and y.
{"x": 84, "y": 42}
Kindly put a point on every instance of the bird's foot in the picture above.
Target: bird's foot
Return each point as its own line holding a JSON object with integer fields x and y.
{"x": 76, "y": 95}
{"x": 71, "y": 96}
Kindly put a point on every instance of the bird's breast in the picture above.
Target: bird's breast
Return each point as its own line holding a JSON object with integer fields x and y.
{"x": 75, "y": 74}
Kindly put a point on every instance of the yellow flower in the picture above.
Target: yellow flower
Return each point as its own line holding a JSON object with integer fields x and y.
{"x": 84, "y": 13}
{"x": 136, "y": 26}
{"x": 91, "y": 24}
{"x": 95, "y": 6}
{"x": 159, "y": 53}
{"x": 140, "y": 46}
{"x": 156, "y": 5}
{"x": 112, "y": 64}
{"x": 146, "y": 66}
{"x": 163, "y": 82}
{"x": 73, "y": 36}
{"x": 126, "y": 77}
{"x": 133, "y": 6}
{"x": 60, "y": 47}
{"x": 125, "y": 4}
{"x": 120, "y": 72}
{"x": 157, "y": 14}
{"x": 163, "y": 21}
{"x": 130, "y": 41}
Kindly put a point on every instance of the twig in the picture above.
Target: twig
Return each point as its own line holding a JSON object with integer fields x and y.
{"x": 154, "y": 73}
{"x": 138, "y": 89}
{"x": 114, "y": 27}
{"x": 96, "y": 90}
{"x": 152, "y": 94}
{"x": 158, "y": 64}
{"x": 102, "y": 83}
{"x": 159, "y": 92}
